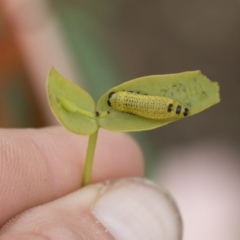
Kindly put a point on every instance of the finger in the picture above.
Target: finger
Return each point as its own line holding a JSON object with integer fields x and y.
{"x": 124, "y": 209}
{"x": 38, "y": 166}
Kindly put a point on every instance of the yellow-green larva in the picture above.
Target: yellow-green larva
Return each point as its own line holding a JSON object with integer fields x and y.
{"x": 147, "y": 106}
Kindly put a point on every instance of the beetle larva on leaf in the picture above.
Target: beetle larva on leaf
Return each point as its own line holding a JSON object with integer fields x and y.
{"x": 147, "y": 106}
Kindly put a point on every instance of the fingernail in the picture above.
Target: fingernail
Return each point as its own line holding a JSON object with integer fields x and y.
{"x": 138, "y": 209}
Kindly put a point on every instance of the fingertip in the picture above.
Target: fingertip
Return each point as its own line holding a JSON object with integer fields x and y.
{"x": 39, "y": 165}
{"x": 131, "y": 208}
{"x": 136, "y": 208}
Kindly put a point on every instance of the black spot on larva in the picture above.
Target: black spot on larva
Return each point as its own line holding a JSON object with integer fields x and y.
{"x": 111, "y": 94}
{"x": 170, "y": 107}
{"x": 178, "y": 110}
{"x": 185, "y": 112}
{"x": 97, "y": 114}
{"x": 108, "y": 112}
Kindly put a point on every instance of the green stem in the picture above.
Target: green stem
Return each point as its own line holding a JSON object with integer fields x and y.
{"x": 89, "y": 158}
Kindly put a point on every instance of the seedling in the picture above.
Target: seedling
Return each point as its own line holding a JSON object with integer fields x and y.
{"x": 140, "y": 104}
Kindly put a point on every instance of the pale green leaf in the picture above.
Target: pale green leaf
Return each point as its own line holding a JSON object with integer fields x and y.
{"x": 72, "y": 106}
{"x": 192, "y": 89}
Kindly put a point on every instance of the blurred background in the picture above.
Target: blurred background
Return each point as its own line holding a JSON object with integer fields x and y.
{"x": 99, "y": 44}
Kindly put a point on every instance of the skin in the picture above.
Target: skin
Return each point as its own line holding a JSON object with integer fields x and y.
{"x": 42, "y": 198}
{"x": 39, "y": 166}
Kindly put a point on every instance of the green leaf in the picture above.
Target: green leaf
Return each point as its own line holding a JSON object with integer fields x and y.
{"x": 72, "y": 106}
{"x": 191, "y": 89}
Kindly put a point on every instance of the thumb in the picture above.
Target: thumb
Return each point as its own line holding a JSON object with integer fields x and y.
{"x": 126, "y": 209}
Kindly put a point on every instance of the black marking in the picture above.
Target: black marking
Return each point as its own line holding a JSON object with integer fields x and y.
{"x": 178, "y": 110}
{"x": 109, "y": 103}
{"x": 108, "y": 112}
{"x": 189, "y": 104}
{"x": 185, "y": 112}
{"x": 111, "y": 94}
{"x": 163, "y": 90}
{"x": 97, "y": 114}
{"x": 170, "y": 107}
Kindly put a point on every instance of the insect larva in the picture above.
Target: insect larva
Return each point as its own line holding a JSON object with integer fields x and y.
{"x": 152, "y": 107}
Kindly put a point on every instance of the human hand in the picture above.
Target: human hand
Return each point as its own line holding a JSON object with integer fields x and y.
{"x": 40, "y": 176}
